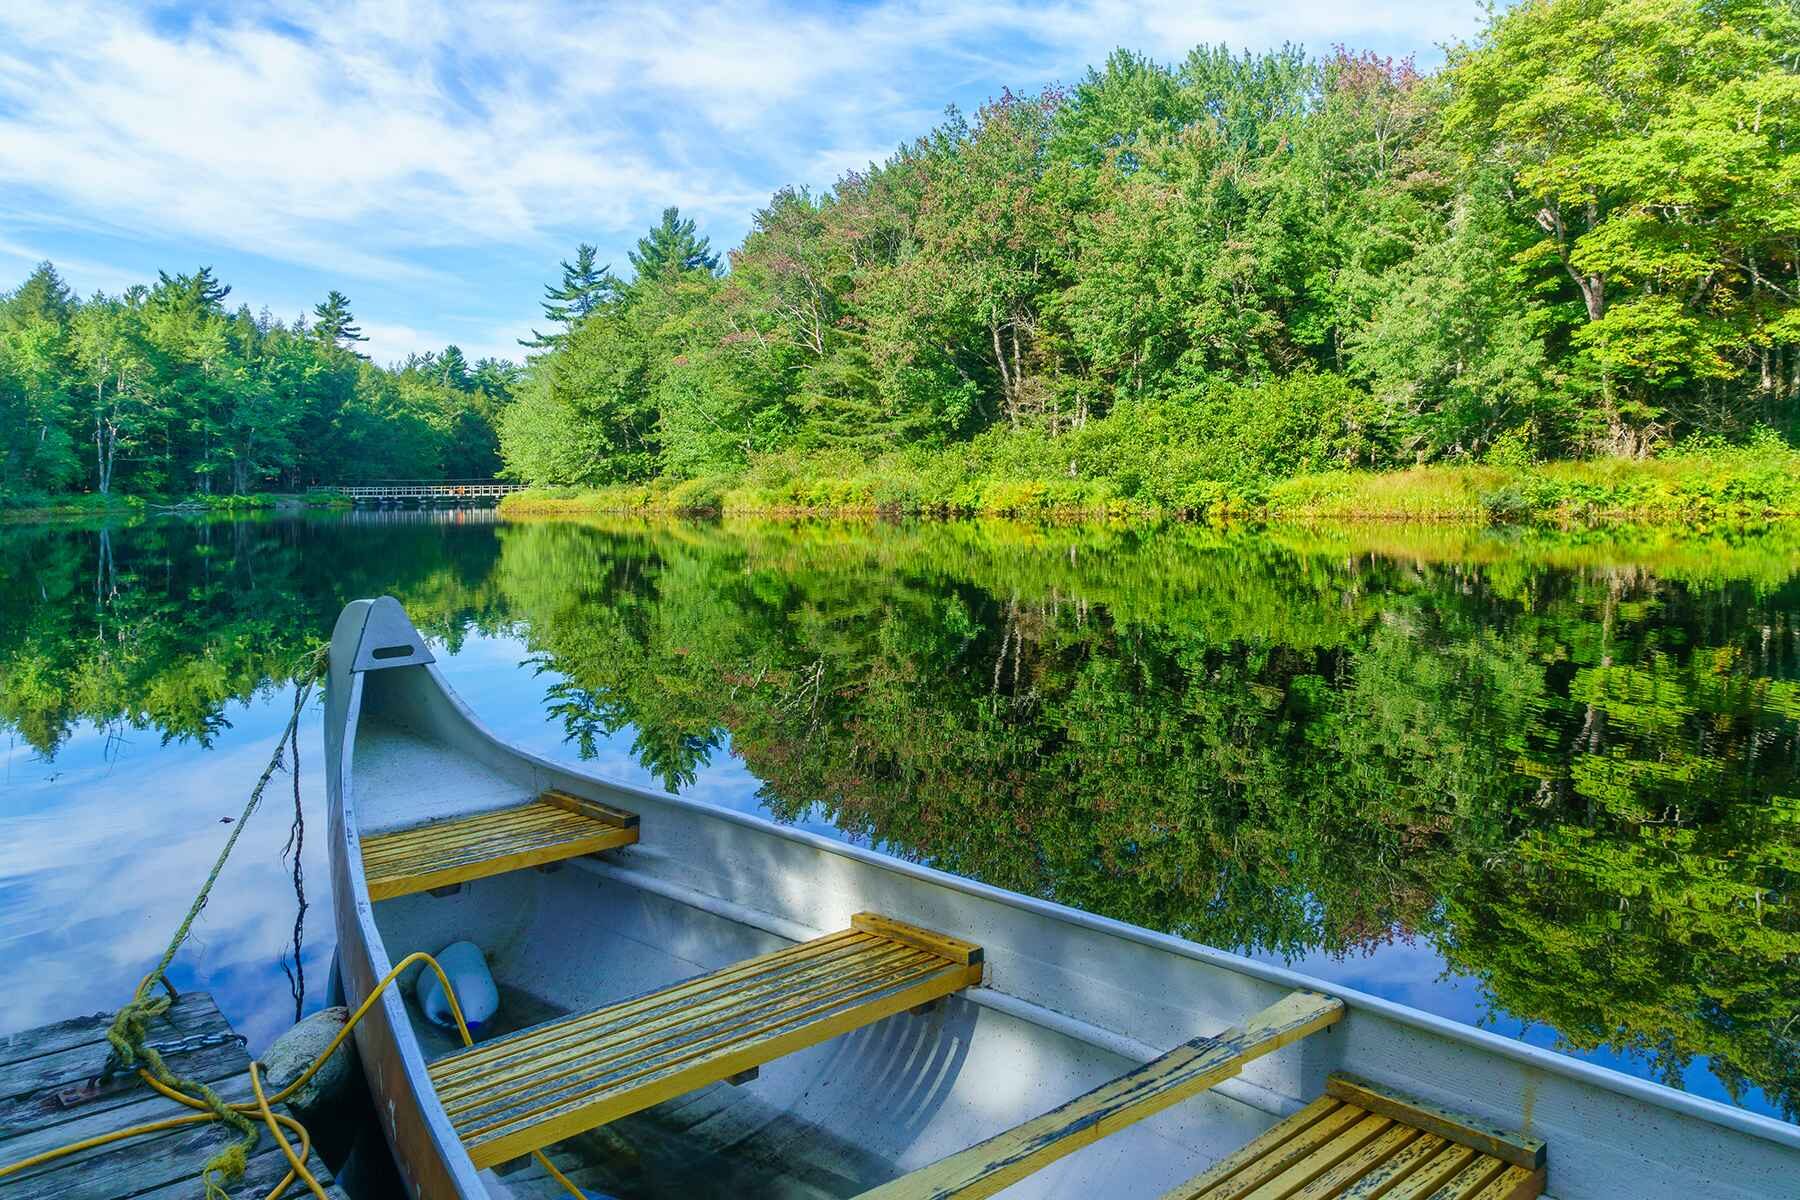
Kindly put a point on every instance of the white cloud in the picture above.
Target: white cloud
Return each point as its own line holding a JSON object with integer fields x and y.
{"x": 390, "y": 343}
{"x": 84, "y": 275}
{"x": 376, "y": 141}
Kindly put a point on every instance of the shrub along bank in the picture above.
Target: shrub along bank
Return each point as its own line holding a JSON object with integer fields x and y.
{"x": 1701, "y": 485}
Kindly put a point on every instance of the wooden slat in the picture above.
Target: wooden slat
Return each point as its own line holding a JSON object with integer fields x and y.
{"x": 1004, "y": 1159}
{"x": 1385, "y": 1177}
{"x": 262, "y": 1172}
{"x": 1333, "y": 1182}
{"x": 543, "y": 1084}
{"x": 82, "y": 1122}
{"x": 638, "y": 1008}
{"x": 631, "y": 1045}
{"x": 1438, "y": 1170}
{"x": 71, "y": 1104}
{"x": 1271, "y": 1139}
{"x": 63, "y": 1035}
{"x": 1241, "y": 1178}
{"x": 659, "y": 1081}
{"x": 591, "y": 808}
{"x": 54, "y": 1088}
{"x": 1516, "y": 1183}
{"x": 1514, "y": 1148}
{"x": 1358, "y": 1142}
{"x": 554, "y": 827}
{"x": 194, "y": 1014}
{"x": 1471, "y": 1179}
{"x": 1322, "y": 1159}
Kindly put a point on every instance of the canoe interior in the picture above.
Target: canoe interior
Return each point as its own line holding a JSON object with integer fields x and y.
{"x": 830, "y": 1121}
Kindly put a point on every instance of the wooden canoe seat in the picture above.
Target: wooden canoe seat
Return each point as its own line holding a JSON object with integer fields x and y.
{"x": 524, "y": 1091}
{"x": 1192, "y": 1067}
{"x": 1357, "y": 1142}
{"x": 549, "y": 829}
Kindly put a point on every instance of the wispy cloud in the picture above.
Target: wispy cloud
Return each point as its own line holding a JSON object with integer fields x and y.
{"x": 376, "y": 142}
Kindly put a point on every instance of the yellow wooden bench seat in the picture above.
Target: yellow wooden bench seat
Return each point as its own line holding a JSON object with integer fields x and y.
{"x": 1358, "y": 1142}
{"x": 540, "y": 1085}
{"x": 549, "y": 829}
{"x": 1192, "y": 1067}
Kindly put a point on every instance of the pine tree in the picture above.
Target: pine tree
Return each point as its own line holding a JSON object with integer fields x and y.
{"x": 671, "y": 248}
{"x": 199, "y": 292}
{"x": 43, "y": 296}
{"x": 585, "y": 287}
{"x": 333, "y": 322}
{"x": 453, "y": 369}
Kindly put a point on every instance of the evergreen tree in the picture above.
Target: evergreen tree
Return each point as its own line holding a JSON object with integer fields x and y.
{"x": 43, "y": 296}
{"x": 333, "y": 322}
{"x": 671, "y": 248}
{"x": 453, "y": 369}
{"x": 585, "y": 287}
{"x": 38, "y": 450}
{"x": 495, "y": 379}
{"x": 199, "y": 292}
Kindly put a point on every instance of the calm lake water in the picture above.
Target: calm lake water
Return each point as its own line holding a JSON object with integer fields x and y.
{"x": 1546, "y": 786}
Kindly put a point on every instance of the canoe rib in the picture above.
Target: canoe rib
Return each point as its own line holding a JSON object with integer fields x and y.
{"x": 1358, "y": 1140}
{"x": 1192, "y": 1067}
{"x": 522, "y": 1092}
{"x": 549, "y": 829}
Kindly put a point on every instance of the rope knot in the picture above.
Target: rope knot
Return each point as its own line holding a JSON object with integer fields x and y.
{"x": 129, "y": 1031}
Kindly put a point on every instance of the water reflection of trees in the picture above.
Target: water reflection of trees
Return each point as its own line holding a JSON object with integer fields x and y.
{"x": 1575, "y": 772}
{"x": 1579, "y": 782}
{"x": 159, "y": 627}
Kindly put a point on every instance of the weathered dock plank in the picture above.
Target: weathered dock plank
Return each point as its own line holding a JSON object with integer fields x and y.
{"x": 51, "y": 1094}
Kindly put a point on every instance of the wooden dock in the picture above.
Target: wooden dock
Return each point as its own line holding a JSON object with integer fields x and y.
{"x": 52, "y": 1093}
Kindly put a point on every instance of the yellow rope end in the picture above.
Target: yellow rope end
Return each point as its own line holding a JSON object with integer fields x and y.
{"x": 229, "y": 1163}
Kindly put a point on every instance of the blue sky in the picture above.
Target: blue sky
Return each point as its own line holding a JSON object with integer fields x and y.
{"x": 435, "y": 161}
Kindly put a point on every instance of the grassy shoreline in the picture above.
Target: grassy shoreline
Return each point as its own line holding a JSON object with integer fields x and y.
{"x": 89, "y": 506}
{"x": 1701, "y": 490}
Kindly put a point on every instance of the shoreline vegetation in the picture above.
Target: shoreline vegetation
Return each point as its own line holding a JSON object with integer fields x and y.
{"x": 1701, "y": 488}
{"x": 87, "y": 506}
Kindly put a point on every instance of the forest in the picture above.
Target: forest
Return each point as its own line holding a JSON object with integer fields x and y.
{"x": 1579, "y": 239}
{"x": 167, "y": 391}
{"x": 1167, "y": 286}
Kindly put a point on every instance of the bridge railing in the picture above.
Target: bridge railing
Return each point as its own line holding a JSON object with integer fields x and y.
{"x": 405, "y": 489}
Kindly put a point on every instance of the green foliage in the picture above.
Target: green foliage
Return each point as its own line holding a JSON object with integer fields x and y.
{"x": 333, "y": 324}
{"x": 672, "y": 249}
{"x": 585, "y": 288}
{"x": 1578, "y": 239}
{"x": 1653, "y": 143}
{"x": 163, "y": 391}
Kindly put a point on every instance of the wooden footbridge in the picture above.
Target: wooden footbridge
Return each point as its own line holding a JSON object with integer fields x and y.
{"x": 420, "y": 492}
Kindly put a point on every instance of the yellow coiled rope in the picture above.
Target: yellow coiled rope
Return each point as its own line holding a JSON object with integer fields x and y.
{"x": 263, "y": 1105}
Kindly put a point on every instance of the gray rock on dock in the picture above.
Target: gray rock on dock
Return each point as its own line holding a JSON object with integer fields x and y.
{"x": 294, "y": 1051}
